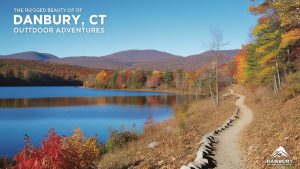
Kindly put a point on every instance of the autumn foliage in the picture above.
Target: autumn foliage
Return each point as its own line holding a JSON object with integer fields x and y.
{"x": 273, "y": 52}
{"x": 240, "y": 62}
{"x": 27, "y": 72}
{"x": 79, "y": 151}
{"x": 119, "y": 138}
{"x": 49, "y": 155}
{"x": 101, "y": 79}
{"x": 59, "y": 152}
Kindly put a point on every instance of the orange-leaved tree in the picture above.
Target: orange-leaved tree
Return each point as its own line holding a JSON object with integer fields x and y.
{"x": 240, "y": 62}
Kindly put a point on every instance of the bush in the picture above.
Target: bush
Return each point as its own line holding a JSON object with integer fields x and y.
{"x": 102, "y": 148}
{"x": 6, "y": 162}
{"x": 119, "y": 138}
{"x": 181, "y": 116}
{"x": 59, "y": 152}
{"x": 79, "y": 151}
{"x": 149, "y": 126}
{"x": 48, "y": 156}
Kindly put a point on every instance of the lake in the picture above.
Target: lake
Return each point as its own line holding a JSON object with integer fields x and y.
{"x": 35, "y": 110}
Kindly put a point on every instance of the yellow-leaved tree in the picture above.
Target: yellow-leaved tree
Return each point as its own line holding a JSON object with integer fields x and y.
{"x": 79, "y": 151}
{"x": 101, "y": 79}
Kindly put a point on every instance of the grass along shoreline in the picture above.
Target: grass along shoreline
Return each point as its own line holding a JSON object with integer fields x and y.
{"x": 176, "y": 140}
{"x": 159, "y": 90}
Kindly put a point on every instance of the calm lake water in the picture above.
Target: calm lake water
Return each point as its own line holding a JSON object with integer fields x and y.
{"x": 35, "y": 110}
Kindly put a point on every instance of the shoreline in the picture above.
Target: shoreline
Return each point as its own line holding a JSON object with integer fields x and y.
{"x": 148, "y": 90}
{"x": 182, "y": 129}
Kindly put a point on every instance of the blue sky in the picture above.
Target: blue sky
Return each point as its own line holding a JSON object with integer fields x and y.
{"x": 181, "y": 27}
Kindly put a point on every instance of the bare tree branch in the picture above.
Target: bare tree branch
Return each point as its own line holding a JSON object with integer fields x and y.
{"x": 216, "y": 45}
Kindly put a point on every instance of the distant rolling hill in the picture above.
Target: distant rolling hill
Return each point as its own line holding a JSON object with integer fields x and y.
{"x": 91, "y": 61}
{"x": 119, "y": 60}
{"x": 195, "y": 61}
{"x": 132, "y": 59}
{"x": 139, "y": 56}
{"x": 30, "y": 56}
{"x": 192, "y": 62}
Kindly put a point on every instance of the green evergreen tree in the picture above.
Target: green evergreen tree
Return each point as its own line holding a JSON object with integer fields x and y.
{"x": 133, "y": 80}
{"x": 168, "y": 77}
{"x": 112, "y": 84}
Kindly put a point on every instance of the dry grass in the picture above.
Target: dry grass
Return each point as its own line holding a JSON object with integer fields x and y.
{"x": 275, "y": 124}
{"x": 177, "y": 142}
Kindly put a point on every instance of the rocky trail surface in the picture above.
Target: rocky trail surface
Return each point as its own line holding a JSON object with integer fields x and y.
{"x": 221, "y": 148}
{"x": 228, "y": 153}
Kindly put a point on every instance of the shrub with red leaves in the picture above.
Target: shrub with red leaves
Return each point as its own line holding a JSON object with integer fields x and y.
{"x": 57, "y": 152}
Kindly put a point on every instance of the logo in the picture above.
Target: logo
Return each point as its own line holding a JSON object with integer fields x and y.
{"x": 279, "y": 157}
{"x": 279, "y": 152}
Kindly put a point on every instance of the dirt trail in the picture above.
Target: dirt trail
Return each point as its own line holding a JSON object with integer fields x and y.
{"x": 228, "y": 153}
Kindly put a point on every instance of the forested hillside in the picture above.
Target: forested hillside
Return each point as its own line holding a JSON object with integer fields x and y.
{"x": 26, "y": 72}
{"x": 269, "y": 68}
{"x": 274, "y": 52}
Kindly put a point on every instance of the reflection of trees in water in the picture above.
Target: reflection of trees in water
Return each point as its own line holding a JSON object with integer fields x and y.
{"x": 79, "y": 101}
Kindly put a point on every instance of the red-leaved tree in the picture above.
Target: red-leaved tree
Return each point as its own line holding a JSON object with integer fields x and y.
{"x": 48, "y": 156}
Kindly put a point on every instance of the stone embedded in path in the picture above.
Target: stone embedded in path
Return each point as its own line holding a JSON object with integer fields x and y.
{"x": 153, "y": 144}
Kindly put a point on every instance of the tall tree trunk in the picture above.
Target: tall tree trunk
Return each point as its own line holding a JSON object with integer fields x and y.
{"x": 200, "y": 86}
{"x": 210, "y": 89}
{"x": 275, "y": 84}
{"x": 217, "y": 80}
{"x": 278, "y": 75}
{"x": 217, "y": 44}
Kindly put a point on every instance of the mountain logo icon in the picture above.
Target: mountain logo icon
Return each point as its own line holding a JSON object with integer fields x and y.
{"x": 279, "y": 152}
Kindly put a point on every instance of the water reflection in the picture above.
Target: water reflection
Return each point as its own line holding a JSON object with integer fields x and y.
{"x": 81, "y": 101}
{"x": 91, "y": 110}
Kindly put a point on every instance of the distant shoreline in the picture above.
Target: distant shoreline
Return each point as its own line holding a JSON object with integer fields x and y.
{"x": 149, "y": 90}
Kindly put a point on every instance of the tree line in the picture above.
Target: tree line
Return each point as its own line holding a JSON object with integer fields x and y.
{"x": 273, "y": 52}
{"x": 25, "y": 72}
{"x": 180, "y": 79}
